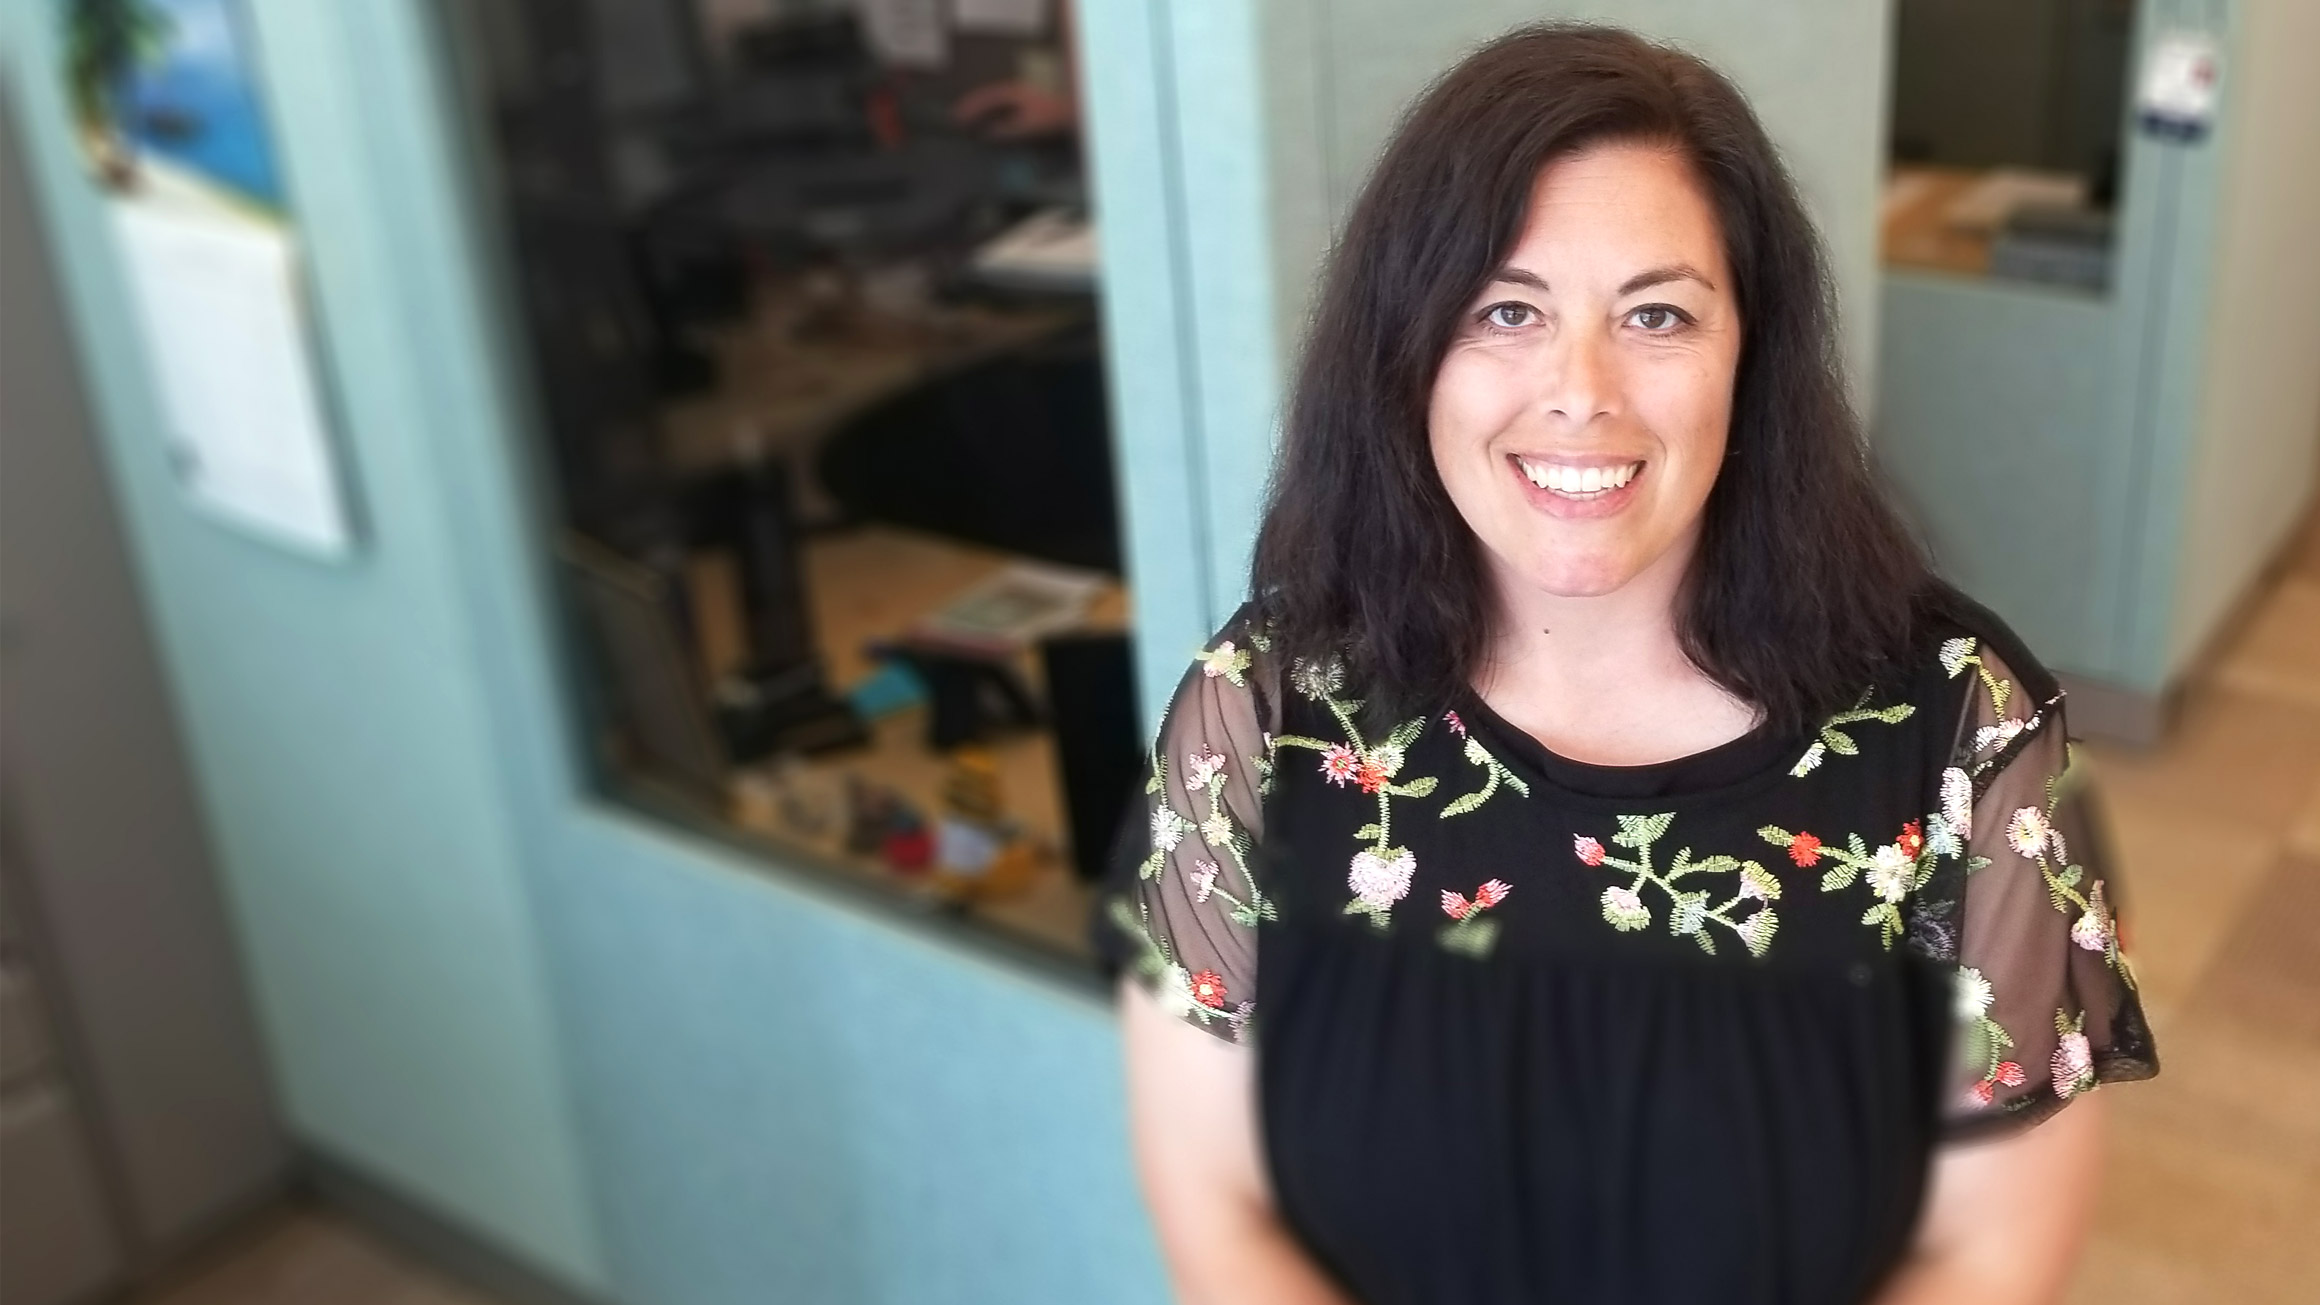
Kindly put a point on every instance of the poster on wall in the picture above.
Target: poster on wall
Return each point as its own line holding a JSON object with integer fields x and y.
{"x": 166, "y": 102}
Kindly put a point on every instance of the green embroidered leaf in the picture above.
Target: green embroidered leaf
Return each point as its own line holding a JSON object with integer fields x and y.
{"x": 1859, "y": 848}
{"x": 1471, "y": 937}
{"x": 1419, "y": 787}
{"x": 1775, "y": 835}
{"x": 1514, "y": 783}
{"x": 1976, "y": 1046}
{"x": 2070, "y": 875}
{"x": 1757, "y": 930}
{"x": 1840, "y": 743}
{"x": 1302, "y": 741}
{"x": 1368, "y": 833}
{"x": 1976, "y": 864}
{"x": 1460, "y": 806}
{"x": 1763, "y": 881}
{"x": 1642, "y": 831}
{"x": 1150, "y": 869}
{"x": 1839, "y": 877}
{"x": 1405, "y": 733}
{"x": 1719, "y": 864}
{"x": 1706, "y": 943}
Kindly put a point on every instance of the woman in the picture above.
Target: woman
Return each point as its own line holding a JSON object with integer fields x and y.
{"x": 1665, "y": 890}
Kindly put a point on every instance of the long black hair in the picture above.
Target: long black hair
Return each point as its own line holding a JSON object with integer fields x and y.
{"x": 1802, "y": 591}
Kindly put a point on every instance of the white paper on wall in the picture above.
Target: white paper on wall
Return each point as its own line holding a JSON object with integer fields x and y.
{"x": 219, "y": 309}
{"x": 906, "y": 33}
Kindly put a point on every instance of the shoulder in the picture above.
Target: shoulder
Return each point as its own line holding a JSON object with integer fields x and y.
{"x": 1234, "y": 672}
{"x": 1959, "y": 633}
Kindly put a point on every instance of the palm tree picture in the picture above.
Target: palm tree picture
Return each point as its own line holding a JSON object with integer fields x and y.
{"x": 106, "y": 42}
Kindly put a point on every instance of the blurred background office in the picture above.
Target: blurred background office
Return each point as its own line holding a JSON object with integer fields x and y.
{"x": 584, "y": 581}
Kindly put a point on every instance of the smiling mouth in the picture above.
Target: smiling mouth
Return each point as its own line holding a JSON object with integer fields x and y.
{"x": 1578, "y": 483}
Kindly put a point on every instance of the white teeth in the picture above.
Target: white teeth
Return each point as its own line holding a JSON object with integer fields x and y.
{"x": 1577, "y": 482}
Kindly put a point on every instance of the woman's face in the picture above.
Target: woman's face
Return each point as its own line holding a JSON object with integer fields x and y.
{"x": 1579, "y": 417}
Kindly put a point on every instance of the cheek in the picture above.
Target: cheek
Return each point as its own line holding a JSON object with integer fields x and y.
{"x": 1473, "y": 399}
{"x": 1689, "y": 407}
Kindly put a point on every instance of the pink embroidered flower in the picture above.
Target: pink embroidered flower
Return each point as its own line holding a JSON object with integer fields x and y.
{"x": 1204, "y": 874}
{"x": 1201, "y": 767}
{"x": 1339, "y": 765}
{"x": 2073, "y": 1066}
{"x": 1589, "y": 850}
{"x": 1804, "y": 849}
{"x": 1490, "y": 894}
{"x": 1456, "y": 725}
{"x": 2027, "y": 832}
{"x": 2011, "y": 1074}
{"x": 1379, "y": 881}
{"x": 1371, "y": 774}
{"x": 1214, "y": 662}
{"x": 1623, "y": 908}
{"x": 1912, "y": 840}
{"x": 2093, "y": 930}
{"x": 1208, "y": 989}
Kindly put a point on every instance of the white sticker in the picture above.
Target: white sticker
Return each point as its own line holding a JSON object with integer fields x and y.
{"x": 2182, "y": 75}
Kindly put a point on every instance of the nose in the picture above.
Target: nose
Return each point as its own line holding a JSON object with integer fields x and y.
{"x": 1580, "y": 379}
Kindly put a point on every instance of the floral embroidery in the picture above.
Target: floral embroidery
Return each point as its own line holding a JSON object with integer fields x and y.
{"x": 2073, "y": 1063}
{"x": 1204, "y": 774}
{"x": 1227, "y": 661}
{"x": 1495, "y": 775}
{"x": 1834, "y": 739}
{"x": 1457, "y": 726}
{"x": 1985, "y": 1043}
{"x": 1892, "y": 871}
{"x": 1379, "y": 876}
{"x": 1990, "y": 740}
{"x": 1468, "y": 932}
{"x": 2032, "y": 834}
{"x": 1182, "y": 994}
{"x": 1378, "y": 881}
{"x": 1689, "y": 911}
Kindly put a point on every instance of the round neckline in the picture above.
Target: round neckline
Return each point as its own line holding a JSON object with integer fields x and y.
{"x": 1759, "y": 755}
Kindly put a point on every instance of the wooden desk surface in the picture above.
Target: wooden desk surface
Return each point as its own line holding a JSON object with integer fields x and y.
{"x": 873, "y": 581}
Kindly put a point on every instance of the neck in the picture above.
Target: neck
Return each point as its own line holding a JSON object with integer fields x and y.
{"x": 1626, "y": 636}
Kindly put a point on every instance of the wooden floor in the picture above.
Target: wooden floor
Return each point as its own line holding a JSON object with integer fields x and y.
{"x": 2213, "y": 1190}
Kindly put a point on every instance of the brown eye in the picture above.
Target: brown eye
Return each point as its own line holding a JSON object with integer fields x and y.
{"x": 1504, "y": 316}
{"x": 1657, "y": 318}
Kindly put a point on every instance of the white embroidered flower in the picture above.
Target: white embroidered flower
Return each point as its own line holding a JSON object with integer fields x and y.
{"x": 1317, "y": 681}
{"x": 1201, "y": 767}
{"x": 1380, "y": 881}
{"x": 1991, "y": 736}
{"x": 1168, "y": 828}
{"x": 1957, "y": 801}
{"x": 1953, "y": 656}
{"x": 1176, "y": 991}
{"x": 1756, "y": 931}
{"x": 2028, "y": 831}
{"x": 1217, "y": 827}
{"x": 1891, "y": 872}
{"x": 1689, "y": 914}
{"x": 1204, "y": 873}
{"x": 1624, "y": 909}
{"x": 1973, "y": 994}
{"x": 1388, "y": 758}
{"x": 2093, "y": 930}
{"x": 2073, "y": 1066}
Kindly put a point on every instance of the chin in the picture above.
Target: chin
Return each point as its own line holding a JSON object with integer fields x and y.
{"x": 1579, "y": 577}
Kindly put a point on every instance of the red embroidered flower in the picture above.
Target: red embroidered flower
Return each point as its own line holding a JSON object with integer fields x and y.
{"x": 1912, "y": 840}
{"x": 1804, "y": 849}
{"x": 1983, "y": 1093}
{"x": 1589, "y": 850}
{"x": 1451, "y": 718}
{"x": 1491, "y": 894}
{"x": 1208, "y": 989}
{"x": 1455, "y": 905}
{"x": 1370, "y": 775}
{"x": 2011, "y": 1074}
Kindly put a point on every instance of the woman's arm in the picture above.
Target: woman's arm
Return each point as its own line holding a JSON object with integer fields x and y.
{"x": 2005, "y": 1219}
{"x": 1192, "y": 1109}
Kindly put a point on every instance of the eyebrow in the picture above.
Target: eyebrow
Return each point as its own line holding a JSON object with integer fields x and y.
{"x": 1640, "y": 281}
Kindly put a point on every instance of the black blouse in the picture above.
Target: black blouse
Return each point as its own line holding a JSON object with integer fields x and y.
{"x": 1536, "y": 1030}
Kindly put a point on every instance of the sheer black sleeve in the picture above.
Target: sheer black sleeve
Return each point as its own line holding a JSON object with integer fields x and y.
{"x": 1179, "y": 910}
{"x": 2046, "y": 1003}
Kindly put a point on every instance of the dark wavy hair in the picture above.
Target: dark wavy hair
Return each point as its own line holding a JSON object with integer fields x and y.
{"x": 1803, "y": 590}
